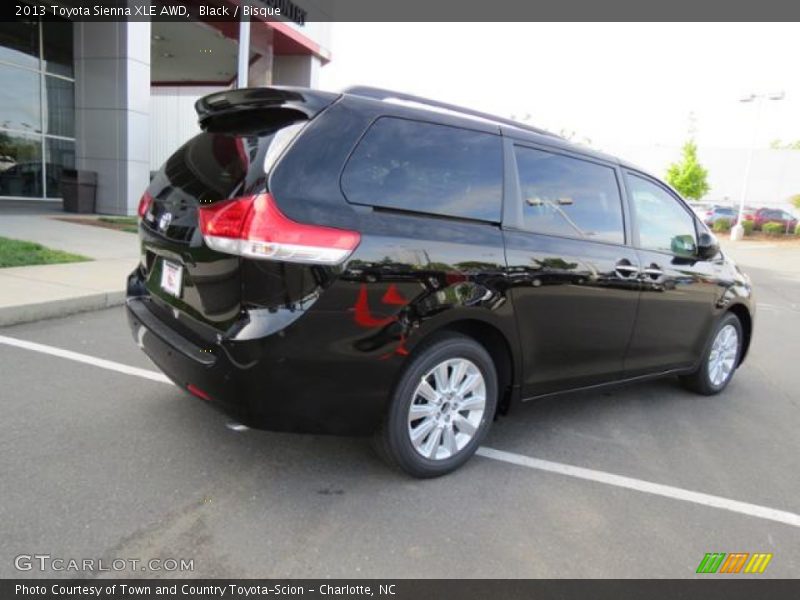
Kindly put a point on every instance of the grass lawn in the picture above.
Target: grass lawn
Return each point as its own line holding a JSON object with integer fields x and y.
{"x": 17, "y": 253}
{"x": 128, "y": 224}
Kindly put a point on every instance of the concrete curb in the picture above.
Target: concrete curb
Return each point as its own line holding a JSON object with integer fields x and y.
{"x": 25, "y": 313}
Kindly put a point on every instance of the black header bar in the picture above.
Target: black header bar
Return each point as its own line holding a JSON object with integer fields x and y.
{"x": 300, "y": 13}
{"x": 710, "y": 588}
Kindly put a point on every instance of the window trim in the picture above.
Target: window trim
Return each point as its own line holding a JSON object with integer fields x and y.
{"x": 513, "y": 216}
{"x": 383, "y": 208}
{"x": 636, "y": 241}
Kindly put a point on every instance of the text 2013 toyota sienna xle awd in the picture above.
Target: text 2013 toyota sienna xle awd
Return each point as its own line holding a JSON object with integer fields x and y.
{"x": 377, "y": 263}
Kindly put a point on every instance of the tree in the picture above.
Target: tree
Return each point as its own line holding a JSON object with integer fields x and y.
{"x": 780, "y": 145}
{"x": 688, "y": 176}
{"x": 795, "y": 200}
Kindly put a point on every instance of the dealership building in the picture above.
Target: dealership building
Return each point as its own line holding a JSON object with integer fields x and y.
{"x": 116, "y": 98}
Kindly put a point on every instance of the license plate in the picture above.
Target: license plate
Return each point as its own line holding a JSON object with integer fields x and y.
{"x": 171, "y": 278}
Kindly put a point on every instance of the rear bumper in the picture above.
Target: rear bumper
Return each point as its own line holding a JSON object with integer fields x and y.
{"x": 285, "y": 381}
{"x": 186, "y": 364}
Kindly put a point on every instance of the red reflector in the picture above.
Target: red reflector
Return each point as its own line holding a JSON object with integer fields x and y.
{"x": 144, "y": 204}
{"x": 254, "y": 226}
{"x": 196, "y": 391}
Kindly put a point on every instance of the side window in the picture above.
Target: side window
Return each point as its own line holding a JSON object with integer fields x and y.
{"x": 663, "y": 224}
{"x": 569, "y": 197}
{"x": 427, "y": 168}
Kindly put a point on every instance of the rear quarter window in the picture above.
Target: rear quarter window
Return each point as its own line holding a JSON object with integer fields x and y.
{"x": 429, "y": 168}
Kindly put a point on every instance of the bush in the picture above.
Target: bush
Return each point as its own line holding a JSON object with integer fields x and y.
{"x": 722, "y": 225}
{"x": 748, "y": 227}
{"x": 773, "y": 228}
{"x": 797, "y": 229}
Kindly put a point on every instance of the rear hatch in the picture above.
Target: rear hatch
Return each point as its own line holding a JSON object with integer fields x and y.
{"x": 244, "y": 134}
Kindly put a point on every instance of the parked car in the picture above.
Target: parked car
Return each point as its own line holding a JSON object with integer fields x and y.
{"x": 749, "y": 212}
{"x": 377, "y": 263}
{"x": 720, "y": 212}
{"x": 774, "y": 215}
{"x": 700, "y": 208}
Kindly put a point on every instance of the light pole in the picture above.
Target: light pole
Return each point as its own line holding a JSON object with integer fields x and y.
{"x": 737, "y": 231}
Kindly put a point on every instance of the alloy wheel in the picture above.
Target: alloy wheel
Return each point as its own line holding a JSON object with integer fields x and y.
{"x": 447, "y": 408}
{"x": 722, "y": 358}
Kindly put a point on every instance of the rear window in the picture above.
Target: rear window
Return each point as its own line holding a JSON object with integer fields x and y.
{"x": 429, "y": 168}
{"x": 216, "y": 166}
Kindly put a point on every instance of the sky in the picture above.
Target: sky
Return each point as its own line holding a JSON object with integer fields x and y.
{"x": 626, "y": 84}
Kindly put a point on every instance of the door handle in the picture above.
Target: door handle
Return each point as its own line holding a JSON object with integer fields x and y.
{"x": 653, "y": 271}
{"x": 625, "y": 269}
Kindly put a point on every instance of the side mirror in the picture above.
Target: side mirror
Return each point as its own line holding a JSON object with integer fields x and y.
{"x": 707, "y": 246}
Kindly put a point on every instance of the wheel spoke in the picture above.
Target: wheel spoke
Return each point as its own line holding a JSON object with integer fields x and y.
{"x": 419, "y": 411}
{"x": 440, "y": 376}
{"x": 464, "y": 425}
{"x": 419, "y": 432}
{"x": 459, "y": 370}
{"x": 426, "y": 391}
{"x": 470, "y": 383}
{"x": 449, "y": 440}
{"x": 474, "y": 402}
{"x": 432, "y": 443}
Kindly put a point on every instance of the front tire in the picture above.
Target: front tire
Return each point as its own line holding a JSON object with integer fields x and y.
{"x": 720, "y": 359}
{"x": 441, "y": 408}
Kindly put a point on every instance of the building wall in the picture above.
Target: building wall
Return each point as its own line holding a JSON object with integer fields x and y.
{"x": 112, "y": 110}
{"x": 172, "y": 116}
{"x": 300, "y": 70}
{"x": 172, "y": 119}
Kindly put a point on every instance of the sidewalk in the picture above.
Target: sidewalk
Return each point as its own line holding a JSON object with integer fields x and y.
{"x": 45, "y": 291}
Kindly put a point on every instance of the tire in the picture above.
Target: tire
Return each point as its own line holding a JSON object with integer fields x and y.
{"x": 705, "y": 380}
{"x": 436, "y": 454}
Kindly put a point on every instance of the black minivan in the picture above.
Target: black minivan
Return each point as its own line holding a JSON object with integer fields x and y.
{"x": 378, "y": 263}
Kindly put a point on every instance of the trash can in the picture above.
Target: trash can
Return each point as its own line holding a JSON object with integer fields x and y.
{"x": 79, "y": 190}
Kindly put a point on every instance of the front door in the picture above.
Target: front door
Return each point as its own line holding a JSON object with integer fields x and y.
{"x": 678, "y": 290}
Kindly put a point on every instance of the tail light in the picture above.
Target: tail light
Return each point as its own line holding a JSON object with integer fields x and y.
{"x": 144, "y": 204}
{"x": 254, "y": 227}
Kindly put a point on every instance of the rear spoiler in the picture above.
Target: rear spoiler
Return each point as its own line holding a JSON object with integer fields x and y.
{"x": 306, "y": 103}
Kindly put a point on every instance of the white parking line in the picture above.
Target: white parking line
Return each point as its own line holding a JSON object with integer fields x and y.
{"x": 639, "y": 485}
{"x": 85, "y": 358}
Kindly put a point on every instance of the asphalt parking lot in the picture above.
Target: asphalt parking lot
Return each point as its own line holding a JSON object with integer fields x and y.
{"x": 98, "y": 463}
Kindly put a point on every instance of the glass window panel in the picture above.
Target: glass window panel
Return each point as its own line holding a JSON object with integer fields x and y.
{"x": 427, "y": 168}
{"x": 60, "y": 106}
{"x": 569, "y": 197}
{"x": 663, "y": 224}
{"x": 57, "y": 47}
{"x": 20, "y": 165}
{"x": 60, "y": 155}
{"x": 19, "y": 99}
{"x": 19, "y": 43}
